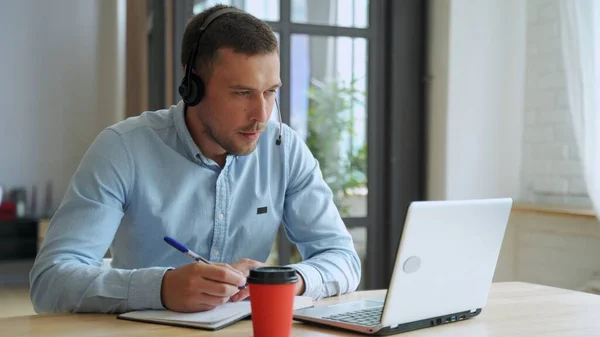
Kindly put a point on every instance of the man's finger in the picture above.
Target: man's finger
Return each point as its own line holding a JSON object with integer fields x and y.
{"x": 228, "y": 266}
{"x": 245, "y": 265}
{"x": 223, "y": 275}
{"x": 220, "y": 289}
{"x": 213, "y": 301}
{"x": 240, "y": 296}
{"x": 202, "y": 307}
{"x": 245, "y": 272}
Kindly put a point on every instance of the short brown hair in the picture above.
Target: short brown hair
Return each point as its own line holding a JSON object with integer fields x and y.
{"x": 241, "y": 32}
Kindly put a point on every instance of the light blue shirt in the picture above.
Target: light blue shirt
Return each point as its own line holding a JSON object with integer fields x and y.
{"x": 145, "y": 178}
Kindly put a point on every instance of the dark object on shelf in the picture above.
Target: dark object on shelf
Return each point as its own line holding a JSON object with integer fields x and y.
{"x": 8, "y": 210}
{"x": 18, "y": 238}
{"x": 19, "y": 197}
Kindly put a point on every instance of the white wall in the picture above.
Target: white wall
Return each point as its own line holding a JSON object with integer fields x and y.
{"x": 475, "y": 98}
{"x": 61, "y": 83}
{"x": 552, "y": 172}
{"x": 481, "y": 113}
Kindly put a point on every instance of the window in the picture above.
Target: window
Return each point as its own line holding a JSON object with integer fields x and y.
{"x": 328, "y": 108}
{"x": 267, "y": 10}
{"x": 342, "y": 13}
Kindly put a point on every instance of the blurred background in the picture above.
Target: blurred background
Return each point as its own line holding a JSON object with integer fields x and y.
{"x": 399, "y": 100}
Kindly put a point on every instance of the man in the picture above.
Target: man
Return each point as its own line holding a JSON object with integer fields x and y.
{"x": 213, "y": 175}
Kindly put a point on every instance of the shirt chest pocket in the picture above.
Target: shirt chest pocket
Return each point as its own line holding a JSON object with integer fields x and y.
{"x": 259, "y": 220}
{"x": 253, "y": 232}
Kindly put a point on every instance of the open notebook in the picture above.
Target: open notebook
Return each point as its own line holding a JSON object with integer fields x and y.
{"x": 214, "y": 319}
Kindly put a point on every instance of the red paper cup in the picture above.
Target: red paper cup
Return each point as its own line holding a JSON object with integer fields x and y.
{"x": 272, "y": 292}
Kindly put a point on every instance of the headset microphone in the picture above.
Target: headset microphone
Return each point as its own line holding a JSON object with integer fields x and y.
{"x": 278, "y": 141}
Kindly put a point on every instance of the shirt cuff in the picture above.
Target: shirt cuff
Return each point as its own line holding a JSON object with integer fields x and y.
{"x": 312, "y": 279}
{"x": 145, "y": 288}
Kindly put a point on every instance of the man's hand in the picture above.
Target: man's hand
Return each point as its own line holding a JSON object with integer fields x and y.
{"x": 244, "y": 266}
{"x": 299, "y": 285}
{"x": 198, "y": 287}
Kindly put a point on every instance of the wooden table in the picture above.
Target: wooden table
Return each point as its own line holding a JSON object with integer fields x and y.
{"x": 514, "y": 309}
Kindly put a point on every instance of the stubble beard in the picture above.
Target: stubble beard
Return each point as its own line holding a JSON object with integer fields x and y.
{"x": 228, "y": 144}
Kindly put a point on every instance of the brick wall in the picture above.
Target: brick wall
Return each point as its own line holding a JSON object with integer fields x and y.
{"x": 551, "y": 171}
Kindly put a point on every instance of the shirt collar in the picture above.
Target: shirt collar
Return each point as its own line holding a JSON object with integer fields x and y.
{"x": 186, "y": 137}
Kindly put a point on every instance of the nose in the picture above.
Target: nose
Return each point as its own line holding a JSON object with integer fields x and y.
{"x": 260, "y": 110}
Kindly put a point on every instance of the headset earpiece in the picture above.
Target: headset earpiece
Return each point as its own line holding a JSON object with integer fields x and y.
{"x": 191, "y": 88}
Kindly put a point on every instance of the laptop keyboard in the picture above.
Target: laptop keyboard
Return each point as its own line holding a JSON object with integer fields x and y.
{"x": 366, "y": 317}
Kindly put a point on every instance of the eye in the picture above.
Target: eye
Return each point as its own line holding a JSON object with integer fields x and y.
{"x": 242, "y": 93}
{"x": 271, "y": 92}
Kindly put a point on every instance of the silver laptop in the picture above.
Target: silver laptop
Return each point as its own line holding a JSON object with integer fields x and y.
{"x": 443, "y": 270}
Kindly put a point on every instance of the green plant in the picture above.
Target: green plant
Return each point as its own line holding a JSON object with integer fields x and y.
{"x": 330, "y": 119}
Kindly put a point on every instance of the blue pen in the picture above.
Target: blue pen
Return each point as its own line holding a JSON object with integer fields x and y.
{"x": 180, "y": 247}
{"x": 185, "y": 250}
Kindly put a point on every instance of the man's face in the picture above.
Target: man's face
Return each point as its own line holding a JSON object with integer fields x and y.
{"x": 239, "y": 98}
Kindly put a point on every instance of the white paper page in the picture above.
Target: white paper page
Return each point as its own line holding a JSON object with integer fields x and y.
{"x": 301, "y": 302}
{"x": 220, "y": 313}
{"x": 217, "y": 314}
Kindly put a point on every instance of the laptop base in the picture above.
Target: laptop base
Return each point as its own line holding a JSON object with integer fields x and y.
{"x": 386, "y": 331}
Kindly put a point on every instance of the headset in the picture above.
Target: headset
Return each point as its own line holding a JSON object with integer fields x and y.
{"x": 191, "y": 88}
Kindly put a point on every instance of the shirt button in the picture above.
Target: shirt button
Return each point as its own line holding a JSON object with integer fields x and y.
{"x": 220, "y": 217}
{"x": 217, "y": 252}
